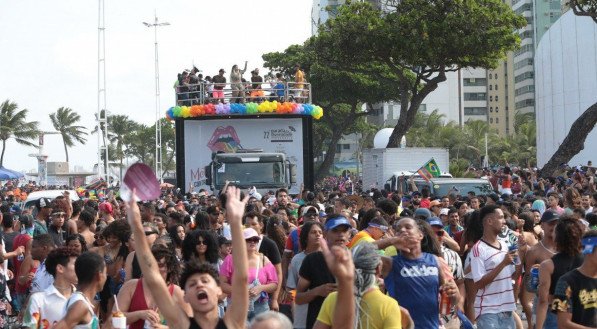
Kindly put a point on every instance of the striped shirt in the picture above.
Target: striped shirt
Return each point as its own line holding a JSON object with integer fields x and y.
{"x": 497, "y": 296}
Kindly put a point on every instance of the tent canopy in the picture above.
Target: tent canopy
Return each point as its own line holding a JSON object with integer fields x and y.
{"x": 6, "y": 174}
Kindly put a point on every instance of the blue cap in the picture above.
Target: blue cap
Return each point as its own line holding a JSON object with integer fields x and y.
{"x": 15, "y": 209}
{"x": 334, "y": 222}
{"x": 434, "y": 221}
{"x": 549, "y": 216}
{"x": 422, "y": 213}
{"x": 589, "y": 244}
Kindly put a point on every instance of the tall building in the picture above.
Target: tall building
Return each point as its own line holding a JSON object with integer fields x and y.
{"x": 473, "y": 96}
{"x": 540, "y": 15}
{"x": 500, "y": 91}
{"x": 566, "y": 67}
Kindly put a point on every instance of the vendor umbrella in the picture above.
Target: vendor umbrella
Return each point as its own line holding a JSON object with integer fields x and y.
{"x": 6, "y": 174}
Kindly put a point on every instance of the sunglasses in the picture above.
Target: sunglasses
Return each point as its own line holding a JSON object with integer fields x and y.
{"x": 148, "y": 233}
{"x": 59, "y": 214}
{"x": 252, "y": 240}
{"x": 98, "y": 237}
{"x": 201, "y": 242}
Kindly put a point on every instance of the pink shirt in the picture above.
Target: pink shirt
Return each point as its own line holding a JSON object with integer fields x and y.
{"x": 267, "y": 273}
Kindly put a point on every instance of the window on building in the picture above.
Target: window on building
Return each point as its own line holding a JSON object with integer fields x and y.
{"x": 497, "y": 120}
{"x": 489, "y": 76}
{"x": 496, "y": 98}
{"x": 490, "y": 98}
{"x": 475, "y": 96}
{"x": 490, "y": 120}
{"x": 496, "y": 87}
{"x": 338, "y": 148}
{"x": 346, "y": 146}
{"x": 423, "y": 108}
{"x": 475, "y": 111}
{"x": 490, "y": 87}
{"x": 495, "y": 75}
{"x": 474, "y": 81}
{"x": 497, "y": 109}
{"x": 490, "y": 109}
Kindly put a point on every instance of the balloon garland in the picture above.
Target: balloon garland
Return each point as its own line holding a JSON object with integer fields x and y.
{"x": 266, "y": 107}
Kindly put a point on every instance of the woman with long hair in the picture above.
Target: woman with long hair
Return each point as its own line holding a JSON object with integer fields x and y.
{"x": 177, "y": 234}
{"x": 202, "y": 246}
{"x": 262, "y": 279}
{"x": 373, "y": 309}
{"x": 274, "y": 230}
{"x": 76, "y": 243}
{"x": 567, "y": 237}
{"x": 472, "y": 233}
{"x": 526, "y": 227}
{"x": 136, "y": 300}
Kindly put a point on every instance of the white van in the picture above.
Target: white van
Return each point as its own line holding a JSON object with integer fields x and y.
{"x": 50, "y": 194}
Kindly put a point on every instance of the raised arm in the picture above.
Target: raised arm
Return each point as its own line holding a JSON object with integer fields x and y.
{"x": 172, "y": 312}
{"x": 339, "y": 262}
{"x": 236, "y": 314}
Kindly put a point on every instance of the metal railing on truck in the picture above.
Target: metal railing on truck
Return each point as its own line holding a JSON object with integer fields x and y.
{"x": 205, "y": 92}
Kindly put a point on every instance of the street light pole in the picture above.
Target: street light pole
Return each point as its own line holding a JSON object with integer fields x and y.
{"x": 158, "y": 126}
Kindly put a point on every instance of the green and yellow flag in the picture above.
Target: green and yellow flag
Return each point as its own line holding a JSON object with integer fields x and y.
{"x": 429, "y": 170}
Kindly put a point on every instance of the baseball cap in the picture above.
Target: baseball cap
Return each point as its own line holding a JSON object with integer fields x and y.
{"x": 106, "y": 207}
{"x": 222, "y": 70}
{"x": 309, "y": 208}
{"x": 334, "y": 222}
{"x": 223, "y": 240}
{"x": 434, "y": 203}
{"x": 549, "y": 216}
{"x": 26, "y": 220}
{"x": 380, "y": 223}
{"x": 43, "y": 203}
{"x": 434, "y": 221}
{"x": 444, "y": 211}
{"x": 15, "y": 209}
{"x": 250, "y": 233}
{"x": 422, "y": 213}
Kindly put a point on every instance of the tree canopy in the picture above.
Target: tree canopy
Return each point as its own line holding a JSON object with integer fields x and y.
{"x": 416, "y": 41}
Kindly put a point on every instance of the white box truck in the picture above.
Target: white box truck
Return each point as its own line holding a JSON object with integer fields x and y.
{"x": 381, "y": 164}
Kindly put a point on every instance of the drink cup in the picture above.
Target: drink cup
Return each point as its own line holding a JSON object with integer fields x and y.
{"x": 118, "y": 320}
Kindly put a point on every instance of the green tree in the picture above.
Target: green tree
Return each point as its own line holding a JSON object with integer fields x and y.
{"x": 141, "y": 144}
{"x": 584, "y": 8}
{"x": 340, "y": 92}
{"x": 14, "y": 124}
{"x": 65, "y": 122}
{"x": 120, "y": 129}
{"x": 418, "y": 41}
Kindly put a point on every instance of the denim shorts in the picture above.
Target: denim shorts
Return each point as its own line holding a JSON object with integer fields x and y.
{"x": 503, "y": 320}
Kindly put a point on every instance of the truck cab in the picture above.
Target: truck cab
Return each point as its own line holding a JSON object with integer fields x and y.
{"x": 460, "y": 186}
{"x": 264, "y": 171}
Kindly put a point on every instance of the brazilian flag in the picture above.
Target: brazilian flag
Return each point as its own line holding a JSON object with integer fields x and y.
{"x": 429, "y": 170}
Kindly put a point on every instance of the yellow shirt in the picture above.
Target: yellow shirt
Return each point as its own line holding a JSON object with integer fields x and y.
{"x": 378, "y": 311}
{"x": 362, "y": 236}
{"x": 299, "y": 78}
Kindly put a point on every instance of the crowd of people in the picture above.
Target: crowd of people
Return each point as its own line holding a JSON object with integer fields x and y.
{"x": 319, "y": 259}
{"x": 193, "y": 88}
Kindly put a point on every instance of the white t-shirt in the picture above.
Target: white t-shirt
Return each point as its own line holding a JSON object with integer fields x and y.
{"x": 46, "y": 306}
{"x": 498, "y": 295}
{"x": 42, "y": 279}
{"x": 300, "y": 311}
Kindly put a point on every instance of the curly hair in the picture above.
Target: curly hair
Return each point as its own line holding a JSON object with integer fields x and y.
{"x": 78, "y": 237}
{"x": 189, "y": 246}
{"x": 58, "y": 256}
{"x": 120, "y": 229}
{"x": 162, "y": 252}
{"x": 194, "y": 267}
{"x": 568, "y": 233}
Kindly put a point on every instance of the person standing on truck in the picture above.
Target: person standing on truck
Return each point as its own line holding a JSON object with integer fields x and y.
{"x": 236, "y": 76}
{"x": 299, "y": 79}
{"x": 219, "y": 84}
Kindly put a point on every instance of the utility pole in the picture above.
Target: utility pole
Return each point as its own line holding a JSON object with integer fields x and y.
{"x": 102, "y": 113}
{"x": 42, "y": 159}
{"x": 158, "y": 125}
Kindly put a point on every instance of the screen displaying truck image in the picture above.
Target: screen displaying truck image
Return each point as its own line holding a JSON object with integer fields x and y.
{"x": 247, "y": 174}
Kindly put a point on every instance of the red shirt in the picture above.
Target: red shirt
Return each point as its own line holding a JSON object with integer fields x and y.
{"x": 20, "y": 240}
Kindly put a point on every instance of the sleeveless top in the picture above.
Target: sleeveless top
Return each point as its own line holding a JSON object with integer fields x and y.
{"x": 136, "y": 268}
{"x": 414, "y": 283}
{"x": 138, "y": 303}
{"x": 78, "y": 296}
{"x": 562, "y": 264}
{"x": 220, "y": 325}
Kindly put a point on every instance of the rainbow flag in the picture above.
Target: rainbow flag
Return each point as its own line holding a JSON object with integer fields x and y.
{"x": 429, "y": 170}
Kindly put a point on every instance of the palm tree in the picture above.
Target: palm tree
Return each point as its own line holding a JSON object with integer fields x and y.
{"x": 13, "y": 124}
{"x": 121, "y": 128}
{"x": 64, "y": 121}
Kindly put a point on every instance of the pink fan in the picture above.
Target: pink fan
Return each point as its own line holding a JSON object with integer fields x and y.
{"x": 141, "y": 178}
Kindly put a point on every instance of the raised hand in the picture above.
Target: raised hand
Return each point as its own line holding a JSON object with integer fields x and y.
{"x": 339, "y": 261}
{"x": 235, "y": 207}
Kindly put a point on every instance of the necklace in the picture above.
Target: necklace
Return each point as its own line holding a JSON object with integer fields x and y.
{"x": 544, "y": 247}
